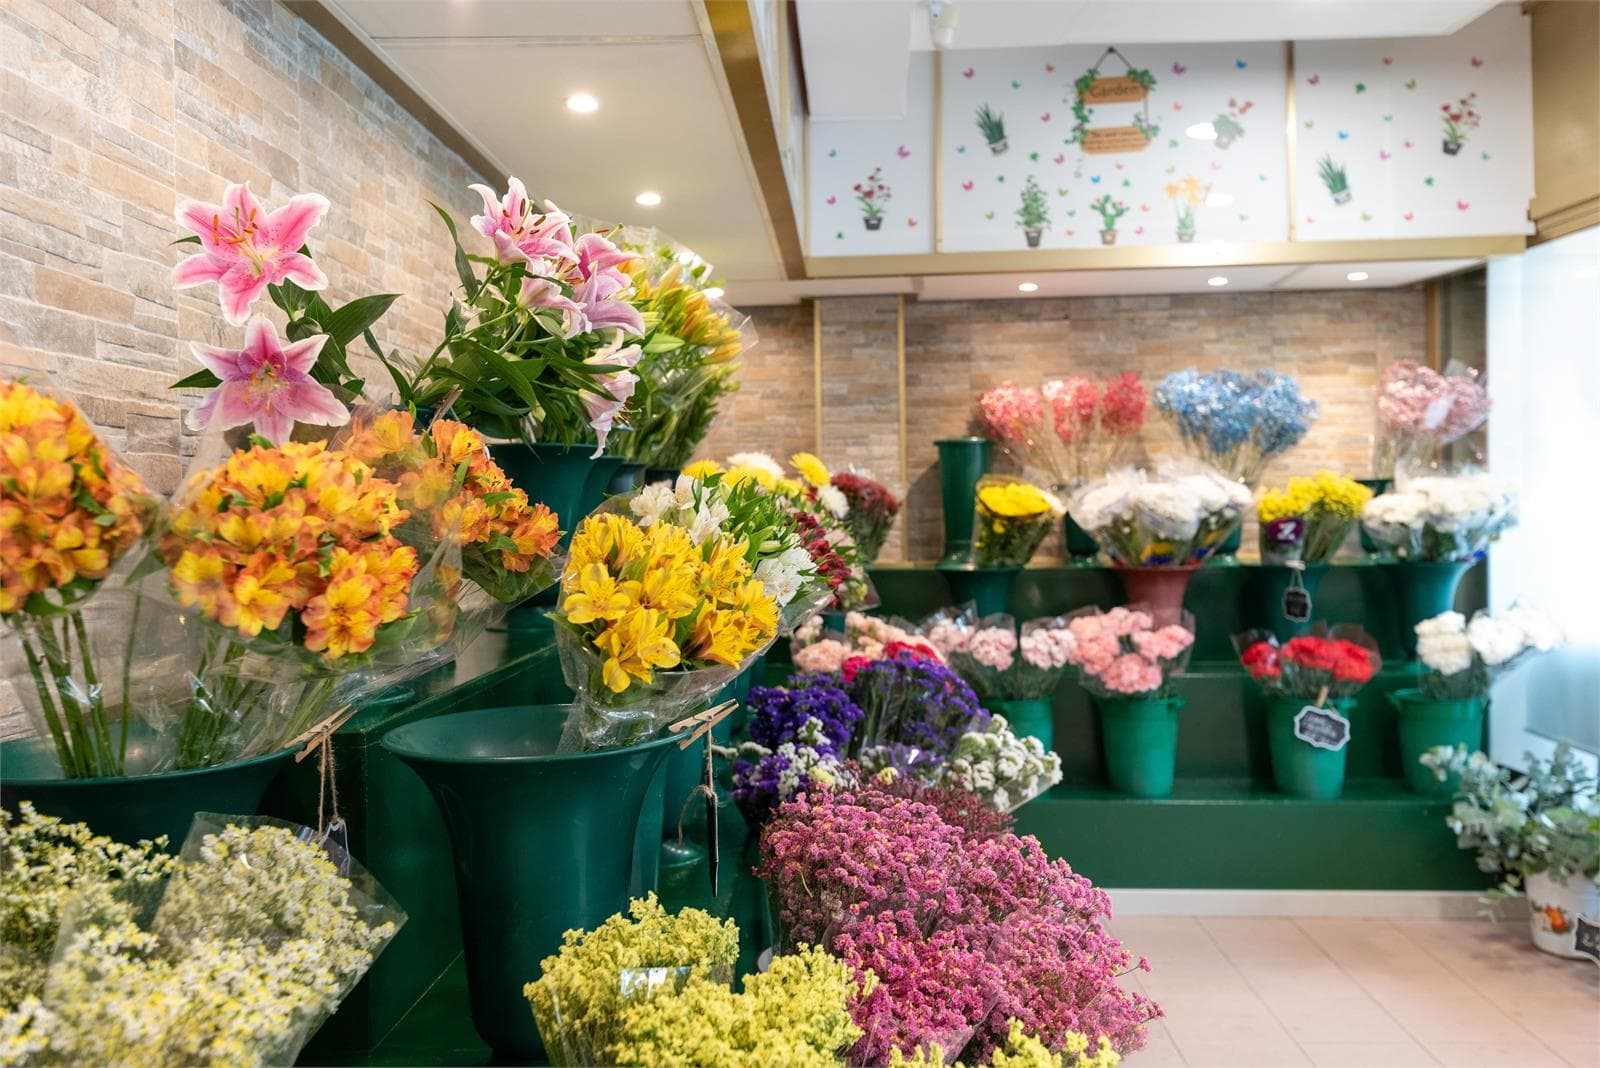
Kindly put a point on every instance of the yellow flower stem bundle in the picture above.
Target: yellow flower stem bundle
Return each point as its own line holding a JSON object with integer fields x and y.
{"x": 1013, "y": 518}
{"x": 1309, "y": 518}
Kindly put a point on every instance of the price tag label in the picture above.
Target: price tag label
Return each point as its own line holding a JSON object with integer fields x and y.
{"x": 1586, "y": 939}
{"x": 1297, "y": 604}
{"x": 1322, "y": 727}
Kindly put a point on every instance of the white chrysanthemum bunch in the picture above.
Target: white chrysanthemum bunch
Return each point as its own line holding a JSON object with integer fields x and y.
{"x": 1170, "y": 518}
{"x": 1441, "y": 517}
{"x": 1463, "y": 659}
{"x": 1004, "y": 770}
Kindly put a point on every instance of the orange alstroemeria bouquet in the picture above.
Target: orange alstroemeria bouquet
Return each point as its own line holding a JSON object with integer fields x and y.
{"x": 69, "y": 510}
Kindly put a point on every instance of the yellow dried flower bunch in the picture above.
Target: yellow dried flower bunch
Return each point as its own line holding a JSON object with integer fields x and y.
{"x": 1022, "y": 1050}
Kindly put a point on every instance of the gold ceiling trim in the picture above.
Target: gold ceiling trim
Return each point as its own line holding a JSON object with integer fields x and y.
{"x": 1233, "y": 254}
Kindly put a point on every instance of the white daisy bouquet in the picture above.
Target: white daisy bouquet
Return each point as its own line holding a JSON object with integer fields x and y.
{"x": 1440, "y": 518}
{"x": 1464, "y": 659}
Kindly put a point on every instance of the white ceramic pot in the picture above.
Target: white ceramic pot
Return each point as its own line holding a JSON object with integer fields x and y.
{"x": 1554, "y": 908}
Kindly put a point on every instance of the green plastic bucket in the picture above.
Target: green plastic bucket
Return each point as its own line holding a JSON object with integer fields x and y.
{"x": 1299, "y": 768}
{"x": 1140, "y": 736}
{"x": 1426, "y": 722}
{"x": 1029, "y": 717}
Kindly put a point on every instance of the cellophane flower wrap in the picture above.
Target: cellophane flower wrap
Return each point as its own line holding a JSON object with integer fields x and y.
{"x": 1330, "y": 662}
{"x": 1440, "y": 518}
{"x": 1131, "y": 651}
{"x": 965, "y": 926}
{"x": 70, "y": 512}
{"x": 1421, "y": 410}
{"x": 1235, "y": 422}
{"x": 1012, "y": 519}
{"x": 1069, "y": 429}
{"x": 1172, "y": 518}
{"x": 873, "y": 507}
{"x": 651, "y": 623}
{"x": 582, "y": 991}
{"x": 313, "y": 578}
{"x": 1463, "y": 660}
{"x": 235, "y": 957}
{"x": 1309, "y": 518}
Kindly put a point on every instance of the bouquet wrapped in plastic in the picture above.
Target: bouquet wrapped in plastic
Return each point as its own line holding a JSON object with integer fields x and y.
{"x": 70, "y": 512}
{"x": 1440, "y": 517}
{"x": 1012, "y": 519}
{"x": 1233, "y": 421}
{"x": 236, "y": 955}
{"x": 1168, "y": 519}
{"x": 1130, "y": 651}
{"x": 1420, "y": 411}
{"x": 1309, "y": 519}
{"x": 582, "y": 992}
{"x": 652, "y": 623}
{"x": 1330, "y": 662}
{"x": 873, "y": 507}
{"x": 1070, "y": 429}
{"x": 1462, "y": 660}
{"x": 1001, "y": 661}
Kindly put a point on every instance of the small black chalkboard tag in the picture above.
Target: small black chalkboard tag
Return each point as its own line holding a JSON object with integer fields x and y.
{"x": 1586, "y": 939}
{"x": 1322, "y": 727}
{"x": 1297, "y": 604}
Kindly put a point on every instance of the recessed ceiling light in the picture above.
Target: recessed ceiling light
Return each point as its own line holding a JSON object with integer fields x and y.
{"x": 648, "y": 199}
{"x": 714, "y": 293}
{"x": 1356, "y": 276}
{"x": 1202, "y": 131}
{"x": 1218, "y": 200}
{"x": 1028, "y": 287}
{"x": 582, "y": 103}
{"x": 1216, "y": 280}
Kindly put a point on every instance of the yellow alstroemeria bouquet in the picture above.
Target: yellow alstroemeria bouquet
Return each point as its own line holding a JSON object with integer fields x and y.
{"x": 1308, "y": 519}
{"x": 1013, "y": 517}
{"x": 650, "y": 624}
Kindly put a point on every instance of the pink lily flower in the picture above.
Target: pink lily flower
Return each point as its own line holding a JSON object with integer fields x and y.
{"x": 267, "y": 383}
{"x": 603, "y": 410}
{"x": 604, "y": 288}
{"x": 539, "y": 290}
{"x": 246, "y": 249}
{"x": 520, "y": 233}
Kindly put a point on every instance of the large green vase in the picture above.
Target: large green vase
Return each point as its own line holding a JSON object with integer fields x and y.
{"x": 962, "y": 461}
{"x": 987, "y": 587}
{"x": 1033, "y": 717}
{"x": 1299, "y": 768}
{"x": 128, "y": 808}
{"x": 1426, "y": 722}
{"x": 543, "y": 843}
{"x": 568, "y": 479}
{"x": 1270, "y": 582}
{"x": 1424, "y": 590}
{"x": 1140, "y": 735}
{"x": 626, "y": 478}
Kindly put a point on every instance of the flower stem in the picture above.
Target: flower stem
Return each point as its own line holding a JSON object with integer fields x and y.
{"x": 52, "y": 718}
{"x": 71, "y": 710}
{"x": 106, "y": 760}
{"x": 127, "y": 671}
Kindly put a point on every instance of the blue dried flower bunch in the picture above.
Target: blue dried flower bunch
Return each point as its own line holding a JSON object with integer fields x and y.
{"x": 1235, "y": 421}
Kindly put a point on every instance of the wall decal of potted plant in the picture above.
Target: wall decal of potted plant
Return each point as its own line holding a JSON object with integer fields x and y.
{"x": 873, "y": 194}
{"x": 1110, "y": 211}
{"x": 1458, "y": 119}
{"x": 1333, "y": 176}
{"x": 1186, "y": 196}
{"x": 993, "y": 127}
{"x": 1227, "y": 125}
{"x": 1034, "y": 215}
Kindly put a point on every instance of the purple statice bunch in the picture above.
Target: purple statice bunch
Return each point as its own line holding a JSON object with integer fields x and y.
{"x": 797, "y": 737}
{"x": 777, "y": 713}
{"x": 911, "y": 700}
{"x": 964, "y": 931}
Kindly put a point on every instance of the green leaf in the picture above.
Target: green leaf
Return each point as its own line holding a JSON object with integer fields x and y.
{"x": 662, "y": 342}
{"x": 345, "y": 324}
{"x": 469, "y": 278}
{"x": 192, "y": 239}
{"x": 201, "y": 379}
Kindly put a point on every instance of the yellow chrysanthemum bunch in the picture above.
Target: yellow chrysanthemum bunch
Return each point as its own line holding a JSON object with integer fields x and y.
{"x": 1308, "y": 518}
{"x": 300, "y": 533}
{"x": 1013, "y": 518}
{"x": 68, "y": 507}
{"x": 1014, "y": 500}
{"x": 649, "y": 599}
{"x": 677, "y": 306}
{"x": 446, "y": 476}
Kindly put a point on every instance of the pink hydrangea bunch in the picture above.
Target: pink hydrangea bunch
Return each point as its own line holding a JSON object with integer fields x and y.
{"x": 1128, "y": 651}
{"x": 965, "y": 930}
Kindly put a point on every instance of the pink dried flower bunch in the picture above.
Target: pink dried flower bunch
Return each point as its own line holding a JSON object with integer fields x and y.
{"x": 964, "y": 930}
{"x": 1128, "y": 651}
{"x": 1080, "y": 407}
{"x": 1422, "y": 410}
{"x": 1011, "y": 414}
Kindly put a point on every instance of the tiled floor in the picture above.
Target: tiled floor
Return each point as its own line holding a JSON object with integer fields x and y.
{"x": 1341, "y": 993}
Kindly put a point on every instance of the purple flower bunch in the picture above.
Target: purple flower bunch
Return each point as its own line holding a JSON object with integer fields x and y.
{"x": 777, "y": 713}
{"x": 911, "y": 700}
{"x": 797, "y": 735}
{"x": 953, "y": 922}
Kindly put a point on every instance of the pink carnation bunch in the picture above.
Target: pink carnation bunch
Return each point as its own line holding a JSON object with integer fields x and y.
{"x": 1130, "y": 651}
{"x": 964, "y": 929}
{"x": 865, "y": 638}
{"x": 999, "y": 660}
{"x": 993, "y": 647}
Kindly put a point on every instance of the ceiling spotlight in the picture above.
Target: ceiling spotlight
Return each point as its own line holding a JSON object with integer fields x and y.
{"x": 582, "y": 103}
{"x": 647, "y": 199}
{"x": 1216, "y": 280}
{"x": 942, "y": 22}
{"x": 1218, "y": 200}
{"x": 1202, "y": 131}
{"x": 714, "y": 293}
{"x": 1028, "y": 287}
{"x": 1356, "y": 276}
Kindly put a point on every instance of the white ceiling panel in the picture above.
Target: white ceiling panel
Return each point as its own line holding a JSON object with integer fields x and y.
{"x": 869, "y": 39}
{"x": 547, "y": 19}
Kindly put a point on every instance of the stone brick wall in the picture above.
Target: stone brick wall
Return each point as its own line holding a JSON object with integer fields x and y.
{"x": 1335, "y": 342}
{"x": 113, "y": 111}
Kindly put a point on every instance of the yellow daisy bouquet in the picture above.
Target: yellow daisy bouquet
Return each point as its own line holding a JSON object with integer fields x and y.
{"x": 650, "y": 623}
{"x": 70, "y": 510}
{"x": 1308, "y": 519}
{"x": 1013, "y": 517}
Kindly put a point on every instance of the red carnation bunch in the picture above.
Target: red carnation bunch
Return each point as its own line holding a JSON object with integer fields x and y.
{"x": 814, "y": 536}
{"x": 1329, "y": 662}
{"x": 872, "y": 511}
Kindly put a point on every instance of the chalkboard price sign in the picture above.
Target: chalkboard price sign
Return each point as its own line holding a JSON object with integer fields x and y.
{"x": 1297, "y": 604}
{"x": 1322, "y": 727}
{"x": 1586, "y": 939}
